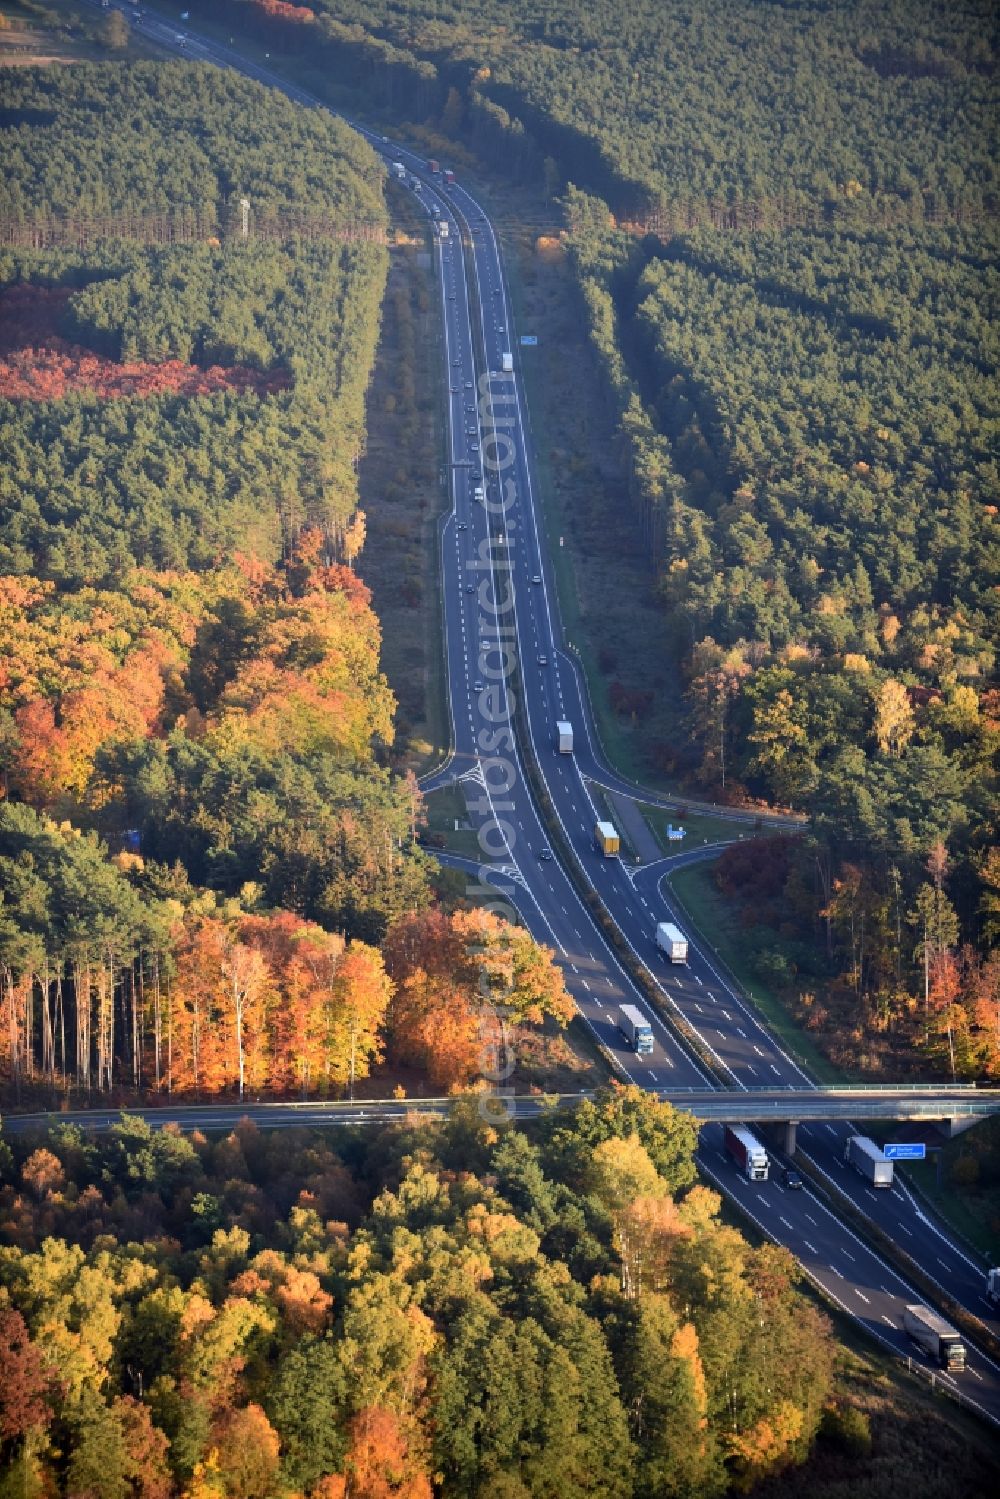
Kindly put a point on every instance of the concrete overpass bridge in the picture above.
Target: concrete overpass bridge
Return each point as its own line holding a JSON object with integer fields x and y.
{"x": 957, "y": 1106}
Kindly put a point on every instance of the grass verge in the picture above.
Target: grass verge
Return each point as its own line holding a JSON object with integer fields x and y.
{"x": 974, "y": 1218}
{"x": 402, "y": 494}
{"x": 922, "y": 1443}
{"x": 444, "y": 809}
{"x": 708, "y": 912}
{"x": 62, "y": 31}
{"x": 606, "y": 587}
{"x": 961, "y": 1185}
{"x": 699, "y": 828}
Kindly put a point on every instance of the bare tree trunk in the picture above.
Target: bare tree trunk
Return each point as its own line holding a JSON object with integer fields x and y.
{"x": 101, "y": 1023}
{"x": 722, "y": 738}
{"x": 61, "y": 1011}
{"x": 28, "y": 1003}
{"x": 48, "y": 1034}
{"x": 109, "y": 1075}
{"x": 157, "y": 1020}
{"x": 81, "y": 991}
{"x": 7, "y": 989}
{"x": 170, "y": 1043}
{"x": 138, "y": 991}
{"x": 826, "y": 884}
{"x": 239, "y": 1000}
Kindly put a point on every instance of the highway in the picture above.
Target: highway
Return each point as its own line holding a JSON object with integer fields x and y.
{"x": 503, "y": 639}
{"x": 743, "y": 1050}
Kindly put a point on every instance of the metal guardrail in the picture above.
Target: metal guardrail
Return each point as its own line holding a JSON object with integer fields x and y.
{"x": 814, "y": 1108}
{"x": 907, "y": 1087}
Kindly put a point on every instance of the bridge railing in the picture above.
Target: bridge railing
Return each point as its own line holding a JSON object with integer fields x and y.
{"x": 897, "y": 1088}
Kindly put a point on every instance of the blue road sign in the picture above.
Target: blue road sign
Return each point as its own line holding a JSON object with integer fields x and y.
{"x": 915, "y": 1151}
{"x": 528, "y": 340}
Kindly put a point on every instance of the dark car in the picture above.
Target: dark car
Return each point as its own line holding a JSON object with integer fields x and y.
{"x": 791, "y": 1179}
{"x": 545, "y": 853}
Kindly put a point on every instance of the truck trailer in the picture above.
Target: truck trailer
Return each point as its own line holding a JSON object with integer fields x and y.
{"x": 442, "y": 228}
{"x": 636, "y": 1029}
{"x": 398, "y": 170}
{"x": 938, "y": 1339}
{"x": 449, "y": 178}
{"x": 433, "y": 166}
{"x": 671, "y": 941}
{"x": 864, "y": 1155}
{"x": 507, "y": 363}
{"x": 993, "y": 1287}
{"x": 748, "y": 1153}
{"x": 565, "y": 732}
{"x": 606, "y": 840}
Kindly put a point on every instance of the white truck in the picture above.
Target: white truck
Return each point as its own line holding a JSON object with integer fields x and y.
{"x": 938, "y": 1339}
{"x": 442, "y": 228}
{"x": 398, "y": 170}
{"x": 671, "y": 941}
{"x": 507, "y": 363}
{"x": 993, "y": 1287}
{"x": 864, "y": 1155}
{"x": 748, "y": 1153}
{"x": 636, "y": 1029}
{"x": 564, "y": 731}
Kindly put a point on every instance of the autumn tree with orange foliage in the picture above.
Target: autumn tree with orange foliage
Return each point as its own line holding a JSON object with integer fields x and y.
{"x": 379, "y": 1463}
{"x": 512, "y": 970}
{"x": 983, "y": 1003}
{"x": 455, "y": 972}
{"x": 303, "y": 959}
{"x": 247, "y": 1450}
{"x": 435, "y": 1028}
{"x": 272, "y": 1002}
{"x": 285, "y": 671}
